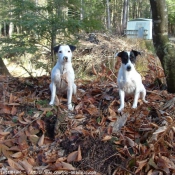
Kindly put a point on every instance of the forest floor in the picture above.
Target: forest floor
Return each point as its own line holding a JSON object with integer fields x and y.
{"x": 36, "y": 138}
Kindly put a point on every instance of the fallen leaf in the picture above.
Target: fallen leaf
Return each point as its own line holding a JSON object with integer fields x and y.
{"x": 31, "y": 161}
{"x": 93, "y": 70}
{"x": 170, "y": 164}
{"x": 11, "y": 98}
{"x": 14, "y": 164}
{"x": 106, "y": 138}
{"x": 4, "y": 133}
{"x": 33, "y": 130}
{"x": 72, "y": 156}
{"x": 41, "y": 140}
{"x": 160, "y": 129}
{"x": 14, "y": 148}
{"x": 34, "y": 139}
{"x": 41, "y": 125}
{"x": 5, "y": 150}
{"x": 17, "y": 155}
{"x": 163, "y": 164}
{"x": 61, "y": 159}
{"x": 141, "y": 165}
{"x": 79, "y": 156}
{"x": 67, "y": 166}
{"x": 41, "y": 168}
{"x": 107, "y": 97}
{"x": 152, "y": 163}
{"x": 130, "y": 142}
{"x": 92, "y": 110}
{"x": 80, "y": 116}
{"x": 14, "y": 110}
{"x": 27, "y": 120}
{"x": 36, "y": 115}
{"x": 5, "y": 109}
{"x": 120, "y": 122}
{"x": 169, "y": 104}
{"x": 13, "y": 104}
{"x": 28, "y": 167}
{"x": 112, "y": 112}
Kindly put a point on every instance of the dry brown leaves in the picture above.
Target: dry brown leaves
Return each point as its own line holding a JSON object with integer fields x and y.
{"x": 93, "y": 138}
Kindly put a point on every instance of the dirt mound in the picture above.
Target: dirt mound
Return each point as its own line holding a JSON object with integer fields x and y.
{"x": 92, "y": 139}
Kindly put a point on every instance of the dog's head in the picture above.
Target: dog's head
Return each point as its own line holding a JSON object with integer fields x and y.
{"x": 128, "y": 58}
{"x": 64, "y": 52}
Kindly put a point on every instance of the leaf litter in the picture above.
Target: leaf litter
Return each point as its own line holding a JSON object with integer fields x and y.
{"x": 94, "y": 137}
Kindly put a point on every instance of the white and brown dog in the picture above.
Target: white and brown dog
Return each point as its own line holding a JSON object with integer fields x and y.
{"x": 62, "y": 75}
{"x": 129, "y": 80}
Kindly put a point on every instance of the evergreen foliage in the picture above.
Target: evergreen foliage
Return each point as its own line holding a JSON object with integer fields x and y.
{"x": 43, "y": 22}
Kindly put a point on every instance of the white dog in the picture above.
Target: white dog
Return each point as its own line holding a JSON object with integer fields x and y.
{"x": 62, "y": 75}
{"x": 129, "y": 80}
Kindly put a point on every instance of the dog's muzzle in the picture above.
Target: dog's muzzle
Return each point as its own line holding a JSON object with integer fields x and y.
{"x": 65, "y": 58}
{"x": 128, "y": 68}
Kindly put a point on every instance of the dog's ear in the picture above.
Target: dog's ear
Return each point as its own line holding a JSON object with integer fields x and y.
{"x": 120, "y": 54}
{"x": 136, "y": 53}
{"x": 72, "y": 48}
{"x": 56, "y": 48}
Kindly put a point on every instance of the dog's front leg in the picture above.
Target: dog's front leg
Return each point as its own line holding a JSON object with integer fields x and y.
{"x": 69, "y": 97}
{"x": 74, "y": 89}
{"x": 122, "y": 100}
{"x": 136, "y": 97}
{"x": 53, "y": 93}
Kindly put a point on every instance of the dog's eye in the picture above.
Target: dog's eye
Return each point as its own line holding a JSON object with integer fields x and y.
{"x": 132, "y": 59}
{"x": 60, "y": 51}
{"x": 68, "y": 50}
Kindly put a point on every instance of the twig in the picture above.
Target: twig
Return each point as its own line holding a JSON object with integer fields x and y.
{"x": 124, "y": 168}
{"x": 27, "y": 71}
{"x": 110, "y": 157}
{"x": 154, "y": 93}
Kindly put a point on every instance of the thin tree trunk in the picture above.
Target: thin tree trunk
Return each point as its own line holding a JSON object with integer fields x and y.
{"x": 125, "y": 15}
{"x": 139, "y": 8}
{"x": 11, "y": 29}
{"x": 3, "y": 68}
{"x": 108, "y": 15}
{"x": 81, "y": 10}
{"x": 0, "y": 29}
{"x": 134, "y": 10}
{"x": 5, "y": 29}
{"x": 164, "y": 49}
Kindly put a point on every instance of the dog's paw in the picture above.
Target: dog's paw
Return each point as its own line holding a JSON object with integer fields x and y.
{"x": 51, "y": 103}
{"x": 70, "y": 107}
{"x": 134, "y": 106}
{"x": 120, "y": 110}
{"x": 145, "y": 101}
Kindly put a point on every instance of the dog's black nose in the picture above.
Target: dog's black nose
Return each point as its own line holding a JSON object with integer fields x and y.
{"x": 65, "y": 58}
{"x": 128, "y": 68}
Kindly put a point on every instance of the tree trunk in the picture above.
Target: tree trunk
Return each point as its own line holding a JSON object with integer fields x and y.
{"x": 3, "y": 68}
{"x": 5, "y": 29}
{"x": 125, "y": 15}
{"x": 81, "y": 10}
{"x": 164, "y": 49}
{"x": 134, "y": 10}
{"x": 11, "y": 29}
{"x": 0, "y": 29}
{"x": 108, "y": 15}
{"x": 139, "y": 8}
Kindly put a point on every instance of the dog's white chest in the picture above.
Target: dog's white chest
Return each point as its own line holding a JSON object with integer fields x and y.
{"x": 128, "y": 86}
{"x": 127, "y": 81}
